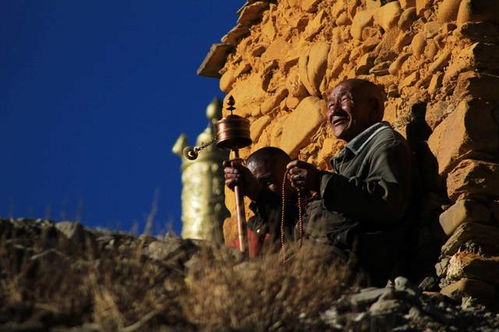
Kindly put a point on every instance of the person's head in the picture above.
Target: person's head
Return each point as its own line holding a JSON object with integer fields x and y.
{"x": 353, "y": 106}
{"x": 268, "y": 165}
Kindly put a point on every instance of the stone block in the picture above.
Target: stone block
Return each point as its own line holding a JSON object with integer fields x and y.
{"x": 483, "y": 236}
{"x": 301, "y": 124}
{"x": 387, "y": 16}
{"x": 480, "y": 290}
{"x": 272, "y": 102}
{"x": 440, "y": 62}
{"x": 472, "y": 266}
{"x": 468, "y": 130}
{"x": 463, "y": 211}
{"x": 474, "y": 178}
{"x": 447, "y": 11}
{"x": 276, "y": 50}
{"x": 477, "y": 11}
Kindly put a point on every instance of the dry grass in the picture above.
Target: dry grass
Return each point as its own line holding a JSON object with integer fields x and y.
{"x": 46, "y": 283}
{"x": 262, "y": 294}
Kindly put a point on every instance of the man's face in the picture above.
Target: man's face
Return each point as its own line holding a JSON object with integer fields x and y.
{"x": 350, "y": 110}
{"x": 269, "y": 175}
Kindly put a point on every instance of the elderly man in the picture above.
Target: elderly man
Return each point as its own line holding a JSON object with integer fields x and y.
{"x": 362, "y": 204}
{"x": 261, "y": 181}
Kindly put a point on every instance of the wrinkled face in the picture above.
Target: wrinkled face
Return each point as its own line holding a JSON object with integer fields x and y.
{"x": 268, "y": 174}
{"x": 350, "y": 110}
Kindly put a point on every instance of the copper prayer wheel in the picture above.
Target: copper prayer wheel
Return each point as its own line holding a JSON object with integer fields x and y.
{"x": 233, "y": 132}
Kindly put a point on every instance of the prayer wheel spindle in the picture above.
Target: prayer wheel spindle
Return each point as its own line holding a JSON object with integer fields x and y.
{"x": 233, "y": 133}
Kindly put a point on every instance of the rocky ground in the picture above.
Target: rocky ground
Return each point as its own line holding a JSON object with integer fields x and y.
{"x": 65, "y": 277}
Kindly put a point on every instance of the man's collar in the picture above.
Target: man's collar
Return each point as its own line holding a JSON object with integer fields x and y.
{"x": 360, "y": 141}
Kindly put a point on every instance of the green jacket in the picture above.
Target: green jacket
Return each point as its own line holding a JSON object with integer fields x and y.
{"x": 364, "y": 201}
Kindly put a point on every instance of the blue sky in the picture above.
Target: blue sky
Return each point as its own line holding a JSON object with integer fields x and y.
{"x": 93, "y": 94}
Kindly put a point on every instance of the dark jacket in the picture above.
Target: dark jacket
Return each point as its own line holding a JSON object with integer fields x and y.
{"x": 365, "y": 199}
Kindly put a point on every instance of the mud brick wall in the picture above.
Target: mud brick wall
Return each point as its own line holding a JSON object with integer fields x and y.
{"x": 439, "y": 63}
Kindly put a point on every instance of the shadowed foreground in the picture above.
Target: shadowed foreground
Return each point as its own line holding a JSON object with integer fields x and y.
{"x": 62, "y": 276}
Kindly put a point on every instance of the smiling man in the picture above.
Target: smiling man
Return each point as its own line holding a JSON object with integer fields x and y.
{"x": 361, "y": 206}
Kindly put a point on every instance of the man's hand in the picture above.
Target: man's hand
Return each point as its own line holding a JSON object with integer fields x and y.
{"x": 304, "y": 176}
{"x": 238, "y": 175}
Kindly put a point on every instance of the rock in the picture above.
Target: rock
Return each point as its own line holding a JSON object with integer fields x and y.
{"x": 473, "y": 178}
{"x": 367, "y": 297}
{"x": 477, "y": 11}
{"x": 73, "y": 231}
{"x": 470, "y": 287}
{"x": 301, "y": 124}
{"x": 173, "y": 249}
{"x": 387, "y": 16}
{"x": 361, "y": 20}
{"x": 407, "y": 17}
{"x": 435, "y": 83}
{"x": 472, "y": 266}
{"x": 227, "y": 81}
{"x": 276, "y": 50}
{"x": 397, "y": 64}
{"x": 418, "y": 44}
{"x": 252, "y": 13}
{"x": 410, "y": 80}
{"x": 310, "y": 5}
{"x": 257, "y": 127}
{"x": 463, "y": 211}
{"x": 407, "y": 3}
{"x": 469, "y": 129}
{"x": 484, "y": 236}
{"x": 386, "y": 306}
{"x": 441, "y": 267}
{"x": 431, "y": 29}
{"x": 235, "y": 35}
{"x": 404, "y": 39}
{"x": 317, "y": 64}
{"x": 422, "y": 4}
{"x": 274, "y": 101}
{"x": 447, "y": 10}
{"x": 479, "y": 31}
{"x": 478, "y": 85}
{"x": 440, "y": 62}
{"x": 364, "y": 64}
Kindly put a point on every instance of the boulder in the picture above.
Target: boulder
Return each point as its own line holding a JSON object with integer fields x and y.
{"x": 474, "y": 178}
{"x": 73, "y": 231}
{"x": 462, "y": 211}
{"x": 484, "y": 86}
{"x": 407, "y": 17}
{"x": 252, "y": 13}
{"x": 317, "y": 64}
{"x": 468, "y": 130}
{"x": 483, "y": 236}
{"x": 301, "y": 124}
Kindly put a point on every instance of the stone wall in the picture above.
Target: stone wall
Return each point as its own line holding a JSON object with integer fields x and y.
{"x": 438, "y": 61}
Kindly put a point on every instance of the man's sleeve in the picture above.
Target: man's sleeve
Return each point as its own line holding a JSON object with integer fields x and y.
{"x": 382, "y": 197}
